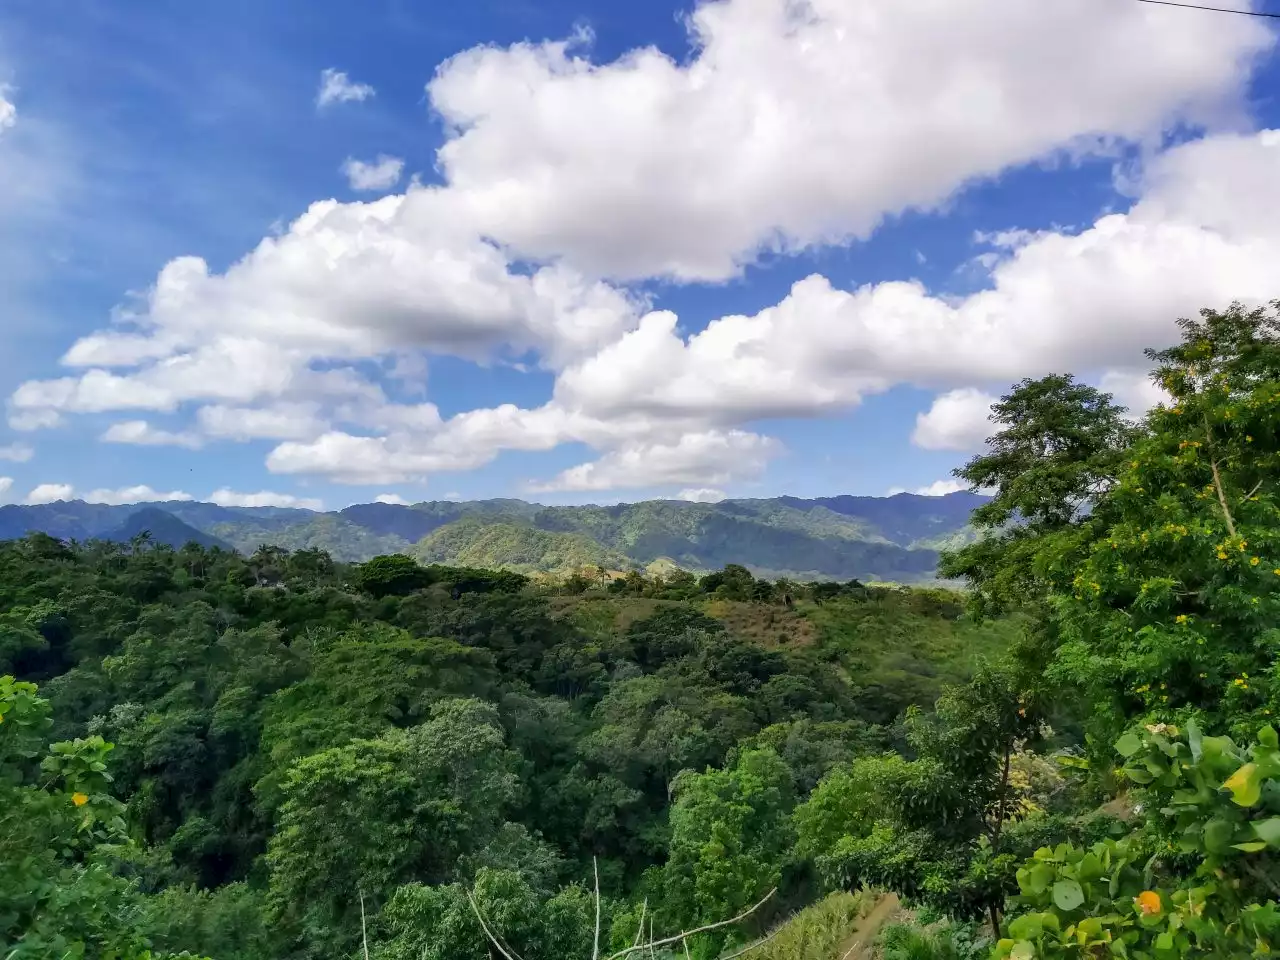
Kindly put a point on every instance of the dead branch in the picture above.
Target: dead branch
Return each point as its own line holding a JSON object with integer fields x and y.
{"x": 689, "y": 933}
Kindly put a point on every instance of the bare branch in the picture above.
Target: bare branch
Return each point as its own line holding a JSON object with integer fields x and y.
{"x": 759, "y": 943}
{"x": 640, "y": 929}
{"x": 1222, "y": 498}
{"x": 1246, "y": 497}
{"x": 487, "y": 932}
{"x": 595, "y": 946}
{"x": 364, "y": 933}
{"x": 704, "y": 929}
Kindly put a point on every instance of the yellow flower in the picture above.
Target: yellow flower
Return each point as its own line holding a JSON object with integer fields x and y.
{"x": 79, "y": 799}
{"x": 1181, "y": 618}
{"x": 1222, "y": 555}
{"x": 1254, "y": 561}
{"x": 1238, "y": 682}
{"x": 1248, "y": 439}
{"x": 1148, "y": 901}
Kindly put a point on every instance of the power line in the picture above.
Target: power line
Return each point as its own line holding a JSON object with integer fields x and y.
{"x": 1194, "y": 6}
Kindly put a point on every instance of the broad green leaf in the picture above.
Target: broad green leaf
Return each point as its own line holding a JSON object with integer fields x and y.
{"x": 1218, "y": 834}
{"x": 1267, "y": 737}
{"x": 1026, "y": 927}
{"x": 1023, "y": 950}
{"x": 1245, "y": 785}
{"x": 1249, "y": 846}
{"x": 1067, "y": 895}
{"x": 1128, "y": 745}
{"x": 1268, "y": 831}
{"x": 1194, "y": 741}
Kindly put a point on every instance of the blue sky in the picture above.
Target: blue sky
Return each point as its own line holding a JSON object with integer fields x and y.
{"x": 583, "y": 251}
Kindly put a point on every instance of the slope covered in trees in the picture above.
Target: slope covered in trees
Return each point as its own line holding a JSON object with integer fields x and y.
{"x": 1074, "y": 759}
{"x": 870, "y": 538}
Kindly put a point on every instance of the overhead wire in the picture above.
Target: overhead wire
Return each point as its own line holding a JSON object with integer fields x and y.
{"x": 1196, "y": 6}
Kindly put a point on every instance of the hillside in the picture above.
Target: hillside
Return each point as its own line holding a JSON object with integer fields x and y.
{"x": 870, "y": 538}
{"x": 465, "y": 735}
{"x": 163, "y": 528}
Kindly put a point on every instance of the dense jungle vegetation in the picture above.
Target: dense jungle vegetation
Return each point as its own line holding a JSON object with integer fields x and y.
{"x": 281, "y": 756}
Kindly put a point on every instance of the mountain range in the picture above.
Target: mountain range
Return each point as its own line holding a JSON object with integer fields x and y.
{"x": 870, "y": 538}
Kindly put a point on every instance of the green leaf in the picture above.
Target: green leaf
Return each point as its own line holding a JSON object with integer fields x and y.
{"x": 1267, "y": 737}
{"x": 1245, "y": 785}
{"x": 1128, "y": 745}
{"x": 1026, "y": 927}
{"x": 1268, "y": 831}
{"x": 1038, "y": 879}
{"x": 1194, "y": 740}
{"x": 1067, "y": 895}
{"x": 1023, "y": 950}
{"x": 1249, "y": 846}
{"x": 1218, "y": 834}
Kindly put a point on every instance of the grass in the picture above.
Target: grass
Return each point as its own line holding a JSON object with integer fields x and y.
{"x": 816, "y": 932}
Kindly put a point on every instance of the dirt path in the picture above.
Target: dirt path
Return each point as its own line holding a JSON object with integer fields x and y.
{"x": 858, "y": 946}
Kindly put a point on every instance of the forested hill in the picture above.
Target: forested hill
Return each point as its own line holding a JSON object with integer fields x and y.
{"x": 302, "y": 750}
{"x": 869, "y": 538}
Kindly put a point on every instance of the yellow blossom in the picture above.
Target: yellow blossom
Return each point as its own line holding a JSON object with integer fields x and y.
{"x": 1181, "y": 618}
{"x": 79, "y": 799}
{"x": 1254, "y": 561}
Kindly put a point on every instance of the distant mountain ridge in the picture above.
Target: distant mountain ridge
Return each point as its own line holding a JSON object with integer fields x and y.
{"x": 887, "y": 538}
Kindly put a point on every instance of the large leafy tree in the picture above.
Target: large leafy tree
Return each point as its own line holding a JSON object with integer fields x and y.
{"x": 1057, "y": 447}
{"x": 1173, "y": 609}
{"x": 359, "y": 819}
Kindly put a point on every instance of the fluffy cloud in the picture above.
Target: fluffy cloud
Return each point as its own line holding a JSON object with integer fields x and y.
{"x": 764, "y": 139}
{"x": 141, "y": 433}
{"x": 138, "y": 494}
{"x": 50, "y": 493}
{"x": 392, "y": 498}
{"x": 16, "y": 452}
{"x": 381, "y": 174}
{"x": 712, "y": 457}
{"x": 8, "y": 112}
{"x": 701, "y": 495}
{"x": 957, "y": 420}
{"x": 263, "y": 498}
{"x": 337, "y": 87}
{"x": 1134, "y": 390}
{"x": 801, "y": 123}
{"x": 6, "y": 484}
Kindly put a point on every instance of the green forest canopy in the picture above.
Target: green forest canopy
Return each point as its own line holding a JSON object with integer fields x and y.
{"x": 282, "y": 756}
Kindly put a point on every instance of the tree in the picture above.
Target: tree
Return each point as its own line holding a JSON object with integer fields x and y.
{"x": 1172, "y": 608}
{"x": 936, "y": 828}
{"x": 358, "y": 820}
{"x": 57, "y": 821}
{"x": 730, "y": 835}
{"x": 1057, "y": 447}
{"x": 394, "y": 575}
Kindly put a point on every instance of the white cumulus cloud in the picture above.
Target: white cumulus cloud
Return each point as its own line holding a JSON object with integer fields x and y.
{"x": 263, "y": 498}
{"x": 789, "y": 125}
{"x": 957, "y": 420}
{"x": 381, "y": 174}
{"x": 50, "y": 493}
{"x": 141, "y": 433}
{"x": 701, "y": 495}
{"x": 337, "y": 87}
{"x": 16, "y": 452}
{"x": 392, "y": 498}
{"x": 139, "y": 494}
{"x": 8, "y": 112}
{"x": 6, "y": 484}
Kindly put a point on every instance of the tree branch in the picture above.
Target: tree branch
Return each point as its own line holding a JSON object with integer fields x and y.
{"x": 752, "y": 946}
{"x": 595, "y": 946}
{"x": 1222, "y": 497}
{"x": 710, "y": 926}
{"x": 487, "y": 932}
